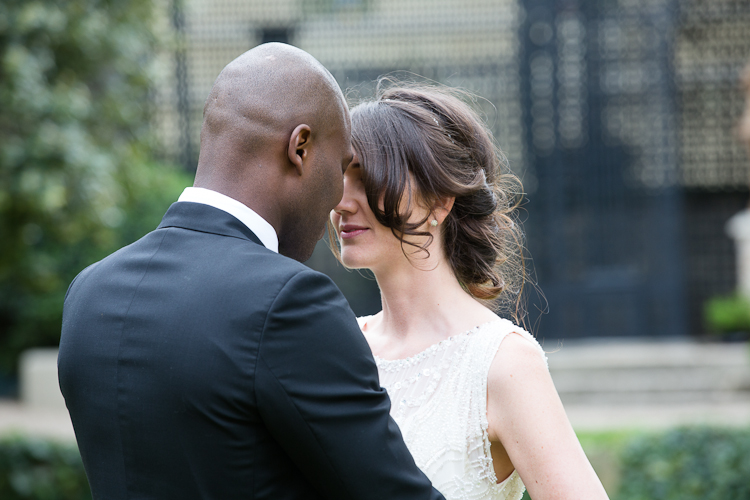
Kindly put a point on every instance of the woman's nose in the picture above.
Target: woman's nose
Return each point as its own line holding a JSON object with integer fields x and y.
{"x": 348, "y": 202}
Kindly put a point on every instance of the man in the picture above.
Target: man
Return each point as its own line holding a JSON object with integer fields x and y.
{"x": 198, "y": 363}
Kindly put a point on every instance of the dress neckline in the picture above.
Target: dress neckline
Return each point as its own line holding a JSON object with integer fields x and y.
{"x": 410, "y": 360}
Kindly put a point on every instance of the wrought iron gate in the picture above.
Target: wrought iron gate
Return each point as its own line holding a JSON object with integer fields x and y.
{"x": 604, "y": 221}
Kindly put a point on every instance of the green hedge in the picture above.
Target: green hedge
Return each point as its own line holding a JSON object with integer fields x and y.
{"x": 41, "y": 470}
{"x": 726, "y": 315}
{"x": 682, "y": 464}
{"x": 687, "y": 464}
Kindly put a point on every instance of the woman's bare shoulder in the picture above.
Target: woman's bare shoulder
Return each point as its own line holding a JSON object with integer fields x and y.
{"x": 518, "y": 348}
{"x": 520, "y": 364}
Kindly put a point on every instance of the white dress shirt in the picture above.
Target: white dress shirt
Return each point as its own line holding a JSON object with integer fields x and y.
{"x": 257, "y": 224}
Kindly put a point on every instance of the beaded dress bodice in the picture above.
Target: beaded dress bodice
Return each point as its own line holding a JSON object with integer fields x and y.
{"x": 439, "y": 401}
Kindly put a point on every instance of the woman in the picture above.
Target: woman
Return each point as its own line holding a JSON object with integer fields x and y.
{"x": 427, "y": 209}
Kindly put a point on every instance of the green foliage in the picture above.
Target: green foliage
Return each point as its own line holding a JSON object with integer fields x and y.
{"x": 682, "y": 464}
{"x": 41, "y": 470}
{"x": 728, "y": 314}
{"x": 687, "y": 464}
{"x": 76, "y": 176}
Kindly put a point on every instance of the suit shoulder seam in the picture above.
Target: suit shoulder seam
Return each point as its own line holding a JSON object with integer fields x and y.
{"x": 119, "y": 349}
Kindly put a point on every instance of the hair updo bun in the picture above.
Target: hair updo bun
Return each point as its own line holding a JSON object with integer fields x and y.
{"x": 434, "y": 135}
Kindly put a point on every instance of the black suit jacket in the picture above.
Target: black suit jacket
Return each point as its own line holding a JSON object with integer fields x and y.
{"x": 197, "y": 364}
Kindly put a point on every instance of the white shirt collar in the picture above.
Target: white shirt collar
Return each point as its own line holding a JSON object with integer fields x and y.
{"x": 257, "y": 224}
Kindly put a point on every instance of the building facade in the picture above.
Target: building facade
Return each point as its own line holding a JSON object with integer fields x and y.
{"x": 618, "y": 115}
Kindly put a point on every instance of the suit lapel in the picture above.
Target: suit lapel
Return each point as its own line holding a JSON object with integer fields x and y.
{"x": 207, "y": 219}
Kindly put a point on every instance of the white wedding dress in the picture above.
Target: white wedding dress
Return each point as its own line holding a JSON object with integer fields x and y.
{"x": 439, "y": 401}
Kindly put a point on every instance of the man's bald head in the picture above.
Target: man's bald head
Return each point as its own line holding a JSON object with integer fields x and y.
{"x": 261, "y": 96}
{"x": 276, "y": 131}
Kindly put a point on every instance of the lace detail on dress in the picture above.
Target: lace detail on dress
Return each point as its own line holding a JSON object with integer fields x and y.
{"x": 398, "y": 364}
{"x": 439, "y": 401}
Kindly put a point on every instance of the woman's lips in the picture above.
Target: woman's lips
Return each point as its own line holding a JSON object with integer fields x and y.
{"x": 351, "y": 231}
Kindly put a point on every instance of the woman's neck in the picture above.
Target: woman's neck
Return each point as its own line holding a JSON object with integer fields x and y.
{"x": 424, "y": 303}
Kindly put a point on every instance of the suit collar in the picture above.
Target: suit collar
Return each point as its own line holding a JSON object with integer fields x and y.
{"x": 207, "y": 219}
{"x": 257, "y": 224}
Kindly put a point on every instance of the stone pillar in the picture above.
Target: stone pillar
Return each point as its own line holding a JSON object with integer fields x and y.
{"x": 38, "y": 380}
{"x": 738, "y": 228}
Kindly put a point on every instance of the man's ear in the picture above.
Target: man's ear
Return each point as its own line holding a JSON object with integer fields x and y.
{"x": 299, "y": 144}
{"x": 442, "y": 207}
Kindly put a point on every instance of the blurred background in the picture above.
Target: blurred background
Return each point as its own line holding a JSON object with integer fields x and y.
{"x": 622, "y": 118}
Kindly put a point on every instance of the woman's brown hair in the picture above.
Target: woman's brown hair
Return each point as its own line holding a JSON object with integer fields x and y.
{"x": 430, "y": 136}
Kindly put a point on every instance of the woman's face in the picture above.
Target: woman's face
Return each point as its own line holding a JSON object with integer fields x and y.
{"x": 365, "y": 243}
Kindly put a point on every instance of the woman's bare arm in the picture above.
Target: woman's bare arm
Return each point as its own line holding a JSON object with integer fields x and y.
{"x": 526, "y": 415}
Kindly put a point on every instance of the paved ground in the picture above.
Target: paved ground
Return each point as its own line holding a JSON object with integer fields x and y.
{"x": 14, "y": 418}
{"x": 654, "y": 417}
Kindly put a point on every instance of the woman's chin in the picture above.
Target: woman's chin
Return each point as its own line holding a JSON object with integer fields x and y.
{"x": 353, "y": 262}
